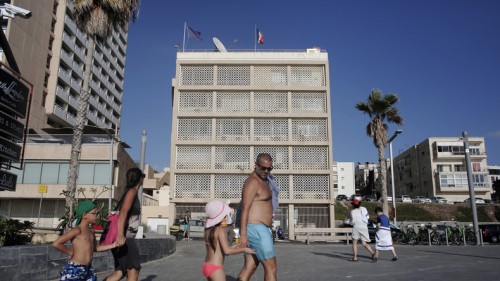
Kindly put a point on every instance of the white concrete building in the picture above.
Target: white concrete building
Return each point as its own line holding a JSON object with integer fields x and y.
{"x": 345, "y": 178}
{"x": 230, "y": 106}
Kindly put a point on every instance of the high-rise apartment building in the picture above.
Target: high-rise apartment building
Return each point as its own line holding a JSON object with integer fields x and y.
{"x": 230, "y": 106}
{"x": 51, "y": 52}
{"x": 437, "y": 167}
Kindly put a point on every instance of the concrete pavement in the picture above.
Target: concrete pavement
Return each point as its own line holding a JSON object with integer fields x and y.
{"x": 328, "y": 261}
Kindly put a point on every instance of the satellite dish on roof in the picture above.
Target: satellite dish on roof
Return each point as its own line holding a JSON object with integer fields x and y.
{"x": 219, "y": 45}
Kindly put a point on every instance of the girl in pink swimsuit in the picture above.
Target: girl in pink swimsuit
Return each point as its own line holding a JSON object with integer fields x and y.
{"x": 216, "y": 241}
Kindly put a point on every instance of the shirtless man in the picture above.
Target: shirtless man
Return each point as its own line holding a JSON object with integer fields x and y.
{"x": 256, "y": 221}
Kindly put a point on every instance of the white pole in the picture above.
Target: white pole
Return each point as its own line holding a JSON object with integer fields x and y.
{"x": 110, "y": 200}
{"x": 392, "y": 182}
{"x": 255, "y": 38}
{"x": 39, "y": 210}
{"x": 184, "y": 37}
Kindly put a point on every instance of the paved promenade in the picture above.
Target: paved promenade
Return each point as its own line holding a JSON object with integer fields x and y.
{"x": 326, "y": 261}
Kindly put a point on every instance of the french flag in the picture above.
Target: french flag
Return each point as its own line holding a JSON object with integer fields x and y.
{"x": 260, "y": 37}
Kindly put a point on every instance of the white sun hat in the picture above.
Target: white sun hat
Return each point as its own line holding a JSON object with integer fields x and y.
{"x": 216, "y": 211}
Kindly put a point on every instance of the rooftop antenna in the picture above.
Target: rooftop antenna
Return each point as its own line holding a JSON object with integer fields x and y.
{"x": 218, "y": 44}
{"x": 234, "y": 42}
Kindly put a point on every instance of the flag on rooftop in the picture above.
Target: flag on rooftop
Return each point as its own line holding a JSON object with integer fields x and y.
{"x": 193, "y": 33}
{"x": 260, "y": 37}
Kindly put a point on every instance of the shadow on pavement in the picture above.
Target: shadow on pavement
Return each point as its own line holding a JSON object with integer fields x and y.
{"x": 342, "y": 256}
{"x": 463, "y": 255}
{"x": 149, "y": 278}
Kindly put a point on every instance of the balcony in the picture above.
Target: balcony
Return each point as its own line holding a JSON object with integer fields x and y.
{"x": 76, "y": 85}
{"x": 67, "y": 39}
{"x": 73, "y": 101}
{"x": 60, "y": 112}
{"x": 61, "y": 93}
{"x": 78, "y": 69}
{"x": 71, "y": 119}
{"x": 92, "y": 117}
{"x": 458, "y": 181}
{"x": 66, "y": 58}
{"x": 64, "y": 76}
{"x": 95, "y": 87}
{"x": 70, "y": 24}
{"x": 79, "y": 52}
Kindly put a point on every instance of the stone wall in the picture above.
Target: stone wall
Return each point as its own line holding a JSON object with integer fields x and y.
{"x": 43, "y": 262}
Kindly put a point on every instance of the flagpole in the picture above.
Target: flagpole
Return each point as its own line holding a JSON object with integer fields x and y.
{"x": 255, "y": 39}
{"x": 184, "y": 37}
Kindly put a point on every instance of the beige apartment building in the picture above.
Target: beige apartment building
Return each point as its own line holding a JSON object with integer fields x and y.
{"x": 51, "y": 53}
{"x": 230, "y": 106}
{"x": 436, "y": 167}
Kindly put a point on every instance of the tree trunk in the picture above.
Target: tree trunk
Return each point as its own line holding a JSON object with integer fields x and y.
{"x": 383, "y": 178}
{"x": 81, "y": 119}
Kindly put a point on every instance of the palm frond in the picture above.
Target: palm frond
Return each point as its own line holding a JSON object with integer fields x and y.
{"x": 100, "y": 17}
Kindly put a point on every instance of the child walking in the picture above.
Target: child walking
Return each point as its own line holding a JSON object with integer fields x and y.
{"x": 79, "y": 266}
{"x": 216, "y": 241}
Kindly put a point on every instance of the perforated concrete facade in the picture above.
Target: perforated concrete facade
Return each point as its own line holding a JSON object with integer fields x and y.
{"x": 229, "y": 107}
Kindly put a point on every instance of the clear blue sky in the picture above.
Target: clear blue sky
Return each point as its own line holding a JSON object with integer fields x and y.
{"x": 442, "y": 58}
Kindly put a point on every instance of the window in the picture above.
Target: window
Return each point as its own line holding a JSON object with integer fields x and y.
{"x": 476, "y": 166}
{"x": 50, "y": 173}
{"x": 86, "y": 173}
{"x": 57, "y": 173}
{"x": 32, "y": 173}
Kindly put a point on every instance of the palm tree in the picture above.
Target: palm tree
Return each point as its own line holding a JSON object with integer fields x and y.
{"x": 97, "y": 18}
{"x": 381, "y": 108}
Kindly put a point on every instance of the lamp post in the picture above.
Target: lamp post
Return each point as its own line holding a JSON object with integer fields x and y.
{"x": 396, "y": 133}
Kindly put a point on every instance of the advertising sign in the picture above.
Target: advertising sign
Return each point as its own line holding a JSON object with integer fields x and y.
{"x": 11, "y": 126}
{"x": 9, "y": 150}
{"x": 7, "y": 181}
{"x": 13, "y": 94}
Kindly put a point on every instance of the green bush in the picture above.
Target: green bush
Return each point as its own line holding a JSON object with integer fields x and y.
{"x": 14, "y": 232}
{"x": 414, "y": 212}
{"x": 426, "y": 212}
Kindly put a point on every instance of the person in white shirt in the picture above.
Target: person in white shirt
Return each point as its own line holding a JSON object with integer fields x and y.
{"x": 359, "y": 221}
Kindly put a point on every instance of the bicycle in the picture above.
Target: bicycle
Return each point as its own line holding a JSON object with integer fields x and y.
{"x": 470, "y": 236}
{"x": 408, "y": 235}
{"x": 434, "y": 235}
{"x": 456, "y": 236}
{"x": 423, "y": 234}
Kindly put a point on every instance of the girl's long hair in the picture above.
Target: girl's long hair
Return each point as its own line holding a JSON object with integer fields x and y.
{"x": 134, "y": 175}
{"x": 211, "y": 236}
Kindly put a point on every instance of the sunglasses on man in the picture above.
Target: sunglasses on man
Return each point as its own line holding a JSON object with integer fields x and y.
{"x": 263, "y": 168}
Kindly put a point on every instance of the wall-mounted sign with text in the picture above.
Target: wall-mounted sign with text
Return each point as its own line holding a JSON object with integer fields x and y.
{"x": 9, "y": 150}
{"x": 7, "y": 181}
{"x": 11, "y": 126}
{"x": 13, "y": 94}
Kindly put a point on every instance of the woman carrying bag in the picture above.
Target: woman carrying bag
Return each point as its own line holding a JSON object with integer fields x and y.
{"x": 126, "y": 255}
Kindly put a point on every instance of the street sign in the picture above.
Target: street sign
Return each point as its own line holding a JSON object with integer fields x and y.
{"x": 42, "y": 188}
{"x": 13, "y": 94}
{"x": 9, "y": 150}
{"x": 11, "y": 126}
{"x": 7, "y": 181}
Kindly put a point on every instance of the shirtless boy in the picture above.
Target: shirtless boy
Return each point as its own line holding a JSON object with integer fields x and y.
{"x": 79, "y": 266}
{"x": 256, "y": 221}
